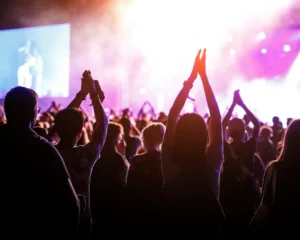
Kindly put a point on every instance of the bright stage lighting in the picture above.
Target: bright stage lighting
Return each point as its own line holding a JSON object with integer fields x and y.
{"x": 162, "y": 38}
{"x": 232, "y": 52}
{"x": 264, "y": 51}
{"x": 228, "y": 37}
{"x": 143, "y": 91}
{"x": 286, "y": 48}
{"x": 261, "y": 36}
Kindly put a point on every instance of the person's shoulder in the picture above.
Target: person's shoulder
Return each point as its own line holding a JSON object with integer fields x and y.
{"x": 139, "y": 157}
{"x": 135, "y": 138}
{"x": 44, "y": 145}
{"x": 272, "y": 164}
{"x": 270, "y": 167}
{"x": 121, "y": 161}
{"x": 90, "y": 151}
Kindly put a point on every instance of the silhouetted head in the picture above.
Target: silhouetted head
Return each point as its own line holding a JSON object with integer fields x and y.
{"x": 288, "y": 121}
{"x": 114, "y": 135}
{"x": 291, "y": 151}
{"x": 68, "y": 124}
{"x": 275, "y": 120}
{"x": 236, "y": 129}
{"x": 266, "y": 132}
{"x": 153, "y": 136}
{"x": 190, "y": 140}
{"x": 141, "y": 124}
{"x": 20, "y": 106}
{"x": 162, "y": 116}
{"x": 125, "y": 122}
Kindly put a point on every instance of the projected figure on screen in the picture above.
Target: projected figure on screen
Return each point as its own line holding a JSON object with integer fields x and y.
{"x": 30, "y": 73}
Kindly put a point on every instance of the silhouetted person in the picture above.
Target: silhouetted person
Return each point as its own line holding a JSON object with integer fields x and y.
{"x": 277, "y": 216}
{"x": 145, "y": 179}
{"x": 278, "y": 130}
{"x": 132, "y": 142}
{"x": 145, "y": 174}
{"x": 38, "y": 198}
{"x": 239, "y": 181}
{"x": 192, "y": 156}
{"x": 81, "y": 159}
{"x": 265, "y": 147}
{"x": 108, "y": 183}
{"x": 288, "y": 121}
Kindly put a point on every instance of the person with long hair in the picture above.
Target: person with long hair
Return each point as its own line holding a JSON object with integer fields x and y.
{"x": 241, "y": 171}
{"x": 278, "y": 213}
{"x": 192, "y": 156}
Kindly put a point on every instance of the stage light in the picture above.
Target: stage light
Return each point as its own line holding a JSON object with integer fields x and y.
{"x": 228, "y": 37}
{"x": 142, "y": 91}
{"x": 261, "y": 36}
{"x": 286, "y": 48}
{"x": 144, "y": 69}
{"x": 232, "y": 52}
{"x": 264, "y": 51}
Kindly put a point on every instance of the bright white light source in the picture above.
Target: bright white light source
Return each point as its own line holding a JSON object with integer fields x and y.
{"x": 264, "y": 51}
{"x": 261, "y": 36}
{"x": 144, "y": 69}
{"x": 286, "y": 48}
{"x": 142, "y": 91}
{"x": 232, "y": 52}
{"x": 228, "y": 37}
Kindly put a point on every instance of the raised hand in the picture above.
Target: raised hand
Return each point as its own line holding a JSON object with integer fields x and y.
{"x": 237, "y": 98}
{"x": 200, "y": 63}
{"x": 87, "y": 82}
{"x": 194, "y": 72}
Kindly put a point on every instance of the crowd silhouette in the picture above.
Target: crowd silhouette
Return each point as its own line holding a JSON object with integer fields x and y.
{"x": 68, "y": 175}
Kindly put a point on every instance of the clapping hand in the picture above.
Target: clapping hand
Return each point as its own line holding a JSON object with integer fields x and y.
{"x": 200, "y": 63}
{"x": 237, "y": 98}
{"x": 194, "y": 72}
{"x": 87, "y": 82}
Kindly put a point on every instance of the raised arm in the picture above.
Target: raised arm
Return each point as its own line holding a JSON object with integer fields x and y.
{"x": 152, "y": 111}
{"x": 175, "y": 111}
{"x": 172, "y": 120}
{"x": 229, "y": 114}
{"x": 215, "y": 129}
{"x": 141, "y": 111}
{"x": 81, "y": 95}
{"x": 250, "y": 115}
{"x": 100, "y": 131}
{"x": 135, "y": 131}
